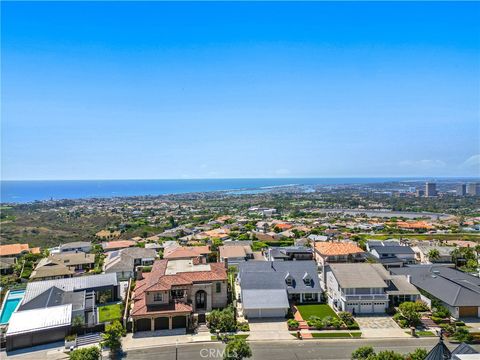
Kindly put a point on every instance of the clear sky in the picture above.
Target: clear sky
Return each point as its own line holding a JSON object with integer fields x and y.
{"x": 221, "y": 90}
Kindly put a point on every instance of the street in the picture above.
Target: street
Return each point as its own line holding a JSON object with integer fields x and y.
{"x": 284, "y": 350}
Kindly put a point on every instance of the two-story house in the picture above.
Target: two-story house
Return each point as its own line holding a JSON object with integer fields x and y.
{"x": 126, "y": 261}
{"x": 393, "y": 255}
{"x": 366, "y": 288}
{"x": 175, "y": 291}
{"x": 232, "y": 255}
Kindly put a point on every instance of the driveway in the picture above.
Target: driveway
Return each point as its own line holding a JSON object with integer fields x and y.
{"x": 380, "y": 327}
{"x": 269, "y": 329}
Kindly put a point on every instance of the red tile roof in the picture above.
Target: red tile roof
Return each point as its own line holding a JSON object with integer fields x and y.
{"x": 14, "y": 249}
{"x": 182, "y": 252}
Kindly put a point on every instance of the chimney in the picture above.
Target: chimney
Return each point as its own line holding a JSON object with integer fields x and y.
{"x": 139, "y": 273}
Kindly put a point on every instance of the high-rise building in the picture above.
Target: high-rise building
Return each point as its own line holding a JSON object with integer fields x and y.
{"x": 473, "y": 189}
{"x": 420, "y": 193}
{"x": 462, "y": 190}
{"x": 430, "y": 189}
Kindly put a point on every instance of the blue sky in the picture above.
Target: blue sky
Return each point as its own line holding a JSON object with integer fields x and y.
{"x": 223, "y": 90}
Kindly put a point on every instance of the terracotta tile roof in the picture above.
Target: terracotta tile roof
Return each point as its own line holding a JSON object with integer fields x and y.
{"x": 336, "y": 248}
{"x": 156, "y": 280}
{"x": 118, "y": 244}
{"x": 14, "y": 249}
{"x": 283, "y": 226}
{"x": 180, "y": 252}
{"x": 140, "y": 308}
{"x": 413, "y": 225}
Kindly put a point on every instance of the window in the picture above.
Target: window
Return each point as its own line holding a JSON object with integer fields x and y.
{"x": 218, "y": 287}
{"x": 157, "y": 297}
{"x": 289, "y": 281}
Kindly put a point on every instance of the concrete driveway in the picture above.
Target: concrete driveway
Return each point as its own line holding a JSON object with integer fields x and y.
{"x": 269, "y": 329}
{"x": 380, "y": 327}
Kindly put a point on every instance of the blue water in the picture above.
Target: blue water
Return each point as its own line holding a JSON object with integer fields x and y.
{"x": 11, "y": 304}
{"x": 28, "y": 191}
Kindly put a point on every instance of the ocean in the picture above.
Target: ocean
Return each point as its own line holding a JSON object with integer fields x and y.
{"x": 29, "y": 191}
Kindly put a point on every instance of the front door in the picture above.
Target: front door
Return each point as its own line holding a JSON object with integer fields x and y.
{"x": 200, "y": 300}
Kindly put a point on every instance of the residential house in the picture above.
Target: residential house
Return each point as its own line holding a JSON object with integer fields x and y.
{"x": 337, "y": 252}
{"x": 357, "y": 288}
{"x": 16, "y": 250}
{"x": 6, "y": 265}
{"x": 76, "y": 246}
{"x": 289, "y": 253}
{"x": 175, "y": 290}
{"x": 422, "y": 254}
{"x": 118, "y": 245}
{"x": 268, "y": 286}
{"x": 187, "y": 252}
{"x": 62, "y": 265}
{"x": 393, "y": 255}
{"x": 125, "y": 262}
{"x": 457, "y": 291}
{"x": 48, "y": 308}
{"x": 232, "y": 255}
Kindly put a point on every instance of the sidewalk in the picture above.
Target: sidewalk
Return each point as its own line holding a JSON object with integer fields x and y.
{"x": 161, "y": 338}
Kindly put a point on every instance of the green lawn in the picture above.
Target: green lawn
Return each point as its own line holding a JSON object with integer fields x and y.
{"x": 320, "y": 310}
{"x": 337, "y": 335}
{"x": 422, "y": 333}
{"x": 110, "y": 312}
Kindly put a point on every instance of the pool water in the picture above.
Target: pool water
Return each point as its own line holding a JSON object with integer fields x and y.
{"x": 10, "y": 305}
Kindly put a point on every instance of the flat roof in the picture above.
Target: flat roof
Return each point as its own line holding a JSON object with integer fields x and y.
{"x": 182, "y": 266}
{"x": 27, "y": 321}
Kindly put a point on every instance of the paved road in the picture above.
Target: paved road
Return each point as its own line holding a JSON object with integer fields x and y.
{"x": 283, "y": 350}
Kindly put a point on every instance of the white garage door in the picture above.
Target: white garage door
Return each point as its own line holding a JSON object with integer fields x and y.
{"x": 264, "y": 313}
{"x": 378, "y": 308}
{"x": 366, "y": 307}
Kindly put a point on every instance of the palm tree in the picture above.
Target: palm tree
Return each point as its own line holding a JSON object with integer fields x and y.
{"x": 456, "y": 254}
{"x": 433, "y": 255}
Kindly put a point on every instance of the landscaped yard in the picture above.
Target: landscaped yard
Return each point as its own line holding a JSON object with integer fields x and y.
{"x": 110, "y": 312}
{"x": 320, "y": 310}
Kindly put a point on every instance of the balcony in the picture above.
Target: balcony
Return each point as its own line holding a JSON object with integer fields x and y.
{"x": 380, "y": 297}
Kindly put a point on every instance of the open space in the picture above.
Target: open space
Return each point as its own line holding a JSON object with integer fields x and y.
{"x": 110, "y": 312}
{"x": 320, "y": 310}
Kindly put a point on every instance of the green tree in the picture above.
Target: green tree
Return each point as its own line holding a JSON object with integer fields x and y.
{"x": 77, "y": 323}
{"x": 222, "y": 320}
{"x": 88, "y": 353}
{"x": 409, "y": 312}
{"x": 112, "y": 337}
{"x": 463, "y": 335}
{"x": 418, "y": 354}
{"x": 433, "y": 255}
{"x": 363, "y": 353}
{"x": 456, "y": 254}
{"x": 237, "y": 349}
{"x": 388, "y": 355}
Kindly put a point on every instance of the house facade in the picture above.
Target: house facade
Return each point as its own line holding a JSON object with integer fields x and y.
{"x": 177, "y": 291}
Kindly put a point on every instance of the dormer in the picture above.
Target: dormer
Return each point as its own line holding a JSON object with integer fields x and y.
{"x": 307, "y": 280}
{"x": 289, "y": 279}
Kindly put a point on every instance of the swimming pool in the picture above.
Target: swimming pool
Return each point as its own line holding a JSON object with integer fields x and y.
{"x": 10, "y": 305}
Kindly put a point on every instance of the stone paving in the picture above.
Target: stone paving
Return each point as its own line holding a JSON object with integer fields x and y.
{"x": 379, "y": 327}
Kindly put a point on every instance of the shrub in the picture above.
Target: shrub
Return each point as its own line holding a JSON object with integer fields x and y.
{"x": 459, "y": 323}
{"x": 289, "y": 314}
{"x": 421, "y": 306}
{"x": 237, "y": 349}
{"x": 353, "y": 327}
{"x": 441, "y": 312}
{"x": 409, "y": 313}
{"x": 418, "y": 354}
{"x": 88, "y": 353}
{"x": 316, "y": 322}
{"x": 346, "y": 317}
{"x": 243, "y": 327}
{"x": 462, "y": 335}
{"x": 336, "y": 323}
{"x": 363, "y": 353}
{"x": 293, "y": 324}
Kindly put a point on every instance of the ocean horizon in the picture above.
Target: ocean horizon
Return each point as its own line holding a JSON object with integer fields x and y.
{"x": 25, "y": 191}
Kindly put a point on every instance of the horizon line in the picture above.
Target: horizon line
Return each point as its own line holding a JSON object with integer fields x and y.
{"x": 419, "y": 177}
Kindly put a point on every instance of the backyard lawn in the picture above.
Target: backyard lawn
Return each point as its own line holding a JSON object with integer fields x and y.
{"x": 110, "y": 312}
{"x": 320, "y": 310}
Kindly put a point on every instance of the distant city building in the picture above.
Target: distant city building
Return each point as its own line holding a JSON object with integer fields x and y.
{"x": 461, "y": 190}
{"x": 473, "y": 189}
{"x": 430, "y": 189}
{"x": 420, "y": 193}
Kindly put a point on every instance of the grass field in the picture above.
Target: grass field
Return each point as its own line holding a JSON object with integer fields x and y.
{"x": 471, "y": 237}
{"x": 337, "y": 335}
{"x": 320, "y": 310}
{"x": 110, "y": 312}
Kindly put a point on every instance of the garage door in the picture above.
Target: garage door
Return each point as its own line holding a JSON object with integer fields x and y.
{"x": 161, "y": 323}
{"x": 143, "y": 325}
{"x": 179, "y": 322}
{"x": 379, "y": 308}
{"x": 366, "y": 308}
{"x": 265, "y": 313}
{"x": 466, "y": 311}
